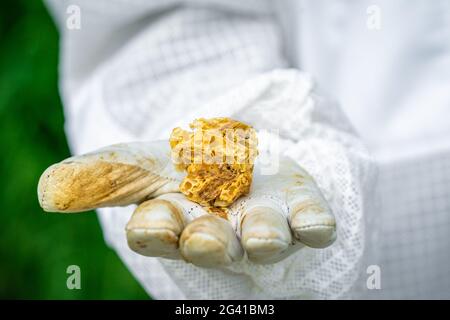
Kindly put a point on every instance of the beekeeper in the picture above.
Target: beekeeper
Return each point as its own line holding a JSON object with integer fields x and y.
{"x": 133, "y": 70}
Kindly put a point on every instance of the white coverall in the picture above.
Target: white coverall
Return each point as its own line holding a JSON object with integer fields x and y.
{"x": 134, "y": 67}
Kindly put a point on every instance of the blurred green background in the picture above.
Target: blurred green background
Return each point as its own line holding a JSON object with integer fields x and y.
{"x": 36, "y": 248}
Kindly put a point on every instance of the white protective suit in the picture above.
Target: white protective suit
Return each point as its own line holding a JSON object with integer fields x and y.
{"x": 136, "y": 68}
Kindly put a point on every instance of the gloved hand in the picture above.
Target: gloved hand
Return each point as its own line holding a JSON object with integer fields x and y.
{"x": 283, "y": 212}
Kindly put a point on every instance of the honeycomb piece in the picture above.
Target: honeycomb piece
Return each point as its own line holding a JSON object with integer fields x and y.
{"x": 218, "y": 156}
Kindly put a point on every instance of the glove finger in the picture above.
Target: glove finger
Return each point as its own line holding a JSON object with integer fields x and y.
{"x": 154, "y": 229}
{"x": 116, "y": 175}
{"x": 210, "y": 241}
{"x": 156, "y": 225}
{"x": 311, "y": 219}
{"x": 265, "y": 233}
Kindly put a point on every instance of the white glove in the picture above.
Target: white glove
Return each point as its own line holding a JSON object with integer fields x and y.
{"x": 323, "y": 143}
{"x": 283, "y": 210}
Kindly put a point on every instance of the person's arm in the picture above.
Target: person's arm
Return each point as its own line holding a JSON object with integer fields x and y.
{"x": 136, "y": 68}
{"x": 134, "y": 71}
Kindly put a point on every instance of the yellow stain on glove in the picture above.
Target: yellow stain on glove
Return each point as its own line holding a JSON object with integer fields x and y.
{"x": 218, "y": 156}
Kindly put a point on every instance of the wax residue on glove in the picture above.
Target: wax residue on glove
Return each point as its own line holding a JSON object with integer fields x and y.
{"x": 218, "y": 156}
